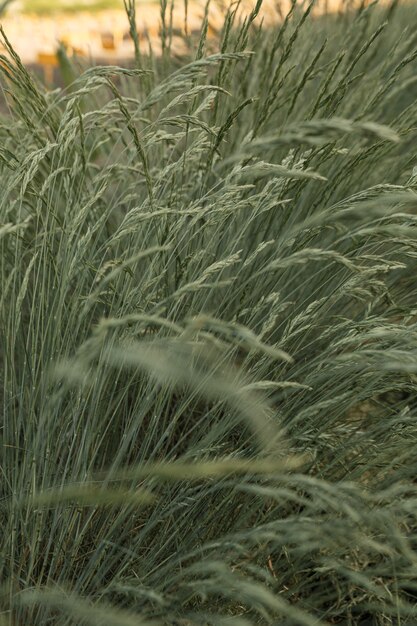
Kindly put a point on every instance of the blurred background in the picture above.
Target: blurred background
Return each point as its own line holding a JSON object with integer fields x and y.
{"x": 98, "y": 30}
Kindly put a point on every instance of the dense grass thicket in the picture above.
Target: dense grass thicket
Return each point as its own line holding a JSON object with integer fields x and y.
{"x": 208, "y": 324}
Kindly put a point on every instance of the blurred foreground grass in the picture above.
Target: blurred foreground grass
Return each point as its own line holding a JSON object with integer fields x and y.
{"x": 208, "y": 330}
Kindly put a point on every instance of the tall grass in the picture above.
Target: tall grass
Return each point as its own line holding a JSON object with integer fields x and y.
{"x": 208, "y": 331}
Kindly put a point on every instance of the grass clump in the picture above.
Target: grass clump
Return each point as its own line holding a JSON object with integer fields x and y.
{"x": 208, "y": 323}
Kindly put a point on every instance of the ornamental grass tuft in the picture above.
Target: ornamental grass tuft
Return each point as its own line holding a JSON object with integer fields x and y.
{"x": 208, "y": 328}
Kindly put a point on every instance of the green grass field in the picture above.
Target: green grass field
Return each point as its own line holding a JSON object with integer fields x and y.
{"x": 44, "y": 7}
{"x": 208, "y": 331}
